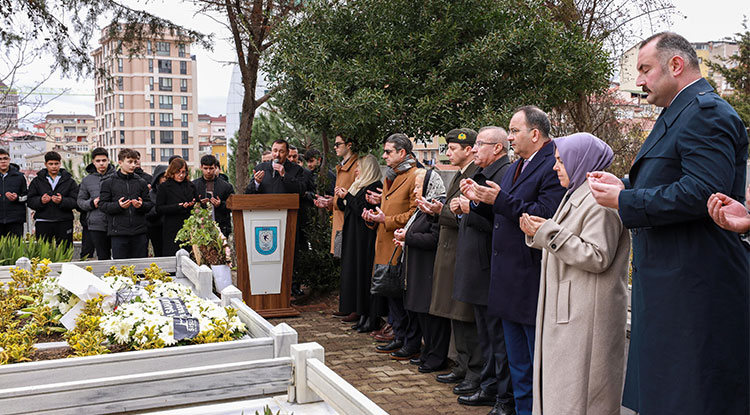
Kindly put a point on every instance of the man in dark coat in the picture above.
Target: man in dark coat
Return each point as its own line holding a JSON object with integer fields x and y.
{"x": 88, "y": 201}
{"x": 53, "y": 194}
{"x": 530, "y": 186}
{"x": 139, "y": 171}
{"x": 214, "y": 189}
{"x": 689, "y": 337}
{"x": 13, "y": 193}
{"x": 125, "y": 200}
{"x": 472, "y": 280}
{"x": 279, "y": 175}
{"x": 154, "y": 220}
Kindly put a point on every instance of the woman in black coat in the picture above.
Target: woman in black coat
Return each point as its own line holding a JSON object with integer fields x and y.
{"x": 358, "y": 249}
{"x": 420, "y": 240}
{"x": 174, "y": 201}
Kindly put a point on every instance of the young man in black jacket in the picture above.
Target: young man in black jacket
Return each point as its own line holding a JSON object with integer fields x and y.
{"x": 214, "y": 189}
{"x": 124, "y": 198}
{"x": 13, "y": 193}
{"x": 89, "y": 192}
{"x": 53, "y": 195}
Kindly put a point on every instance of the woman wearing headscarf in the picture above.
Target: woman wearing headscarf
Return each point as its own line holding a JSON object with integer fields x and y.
{"x": 582, "y": 309}
{"x": 358, "y": 248}
{"x": 420, "y": 240}
{"x": 174, "y": 202}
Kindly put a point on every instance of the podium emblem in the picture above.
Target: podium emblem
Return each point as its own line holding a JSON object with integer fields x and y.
{"x": 266, "y": 240}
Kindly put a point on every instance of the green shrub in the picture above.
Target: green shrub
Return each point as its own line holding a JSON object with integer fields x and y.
{"x": 316, "y": 267}
{"x": 13, "y": 247}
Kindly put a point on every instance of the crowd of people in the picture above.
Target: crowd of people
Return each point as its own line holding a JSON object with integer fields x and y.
{"x": 523, "y": 265}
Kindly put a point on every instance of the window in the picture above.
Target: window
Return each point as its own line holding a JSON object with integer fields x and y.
{"x": 122, "y": 119}
{"x": 166, "y": 153}
{"x": 186, "y": 154}
{"x": 165, "y": 66}
{"x": 121, "y": 100}
{"x": 165, "y": 102}
{"x": 119, "y": 64}
{"x": 184, "y": 103}
{"x": 122, "y": 137}
{"x": 151, "y": 101}
{"x": 183, "y": 67}
{"x": 151, "y": 65}
{"x": 166, "y": 137}
{"x": 152, "y": 117}
{"x": 184, "y": 137}
{"x": 120, "y": 83}
{"x": 183, "y": 85}
{"x": 184, "y": 120}
{"x": 148, "y": 47}
{"x": 181, "y": 50}
{"x": 165, "y": 119}
{"x": 162, "y": 48}
{"x": 153, "y": 138}
{"x": 151, "y": 83}
{"x": 165, "y": 84}
{"x": 153, "y": 153}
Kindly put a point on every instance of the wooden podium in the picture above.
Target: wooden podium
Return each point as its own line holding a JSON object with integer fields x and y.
{"x": 260, "y": 254}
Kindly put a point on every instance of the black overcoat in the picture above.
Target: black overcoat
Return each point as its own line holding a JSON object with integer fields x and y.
{"x": 171, "y": 193}
{"x": 689, "y": 336}
{"x": 421, "y": 243}
{"x": 472, "y": 277}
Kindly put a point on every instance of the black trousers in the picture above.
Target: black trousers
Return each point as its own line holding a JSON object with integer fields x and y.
{"x": 135, "y": 246}
{"x": 470, "y": 359}
{"x": 88, "y": 246}
{"x": 436, "y": 332}
{"x": 58, "y": 231}
{"x": 11, "y": 229}
{"x": 405, "y": 324}
{"x": 102, "y": 243}
{"x": 155, "y": 236}
{"x": 495, "y": 376}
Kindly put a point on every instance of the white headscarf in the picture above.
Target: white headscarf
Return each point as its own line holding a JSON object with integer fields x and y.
{"x": 434, "y": 188}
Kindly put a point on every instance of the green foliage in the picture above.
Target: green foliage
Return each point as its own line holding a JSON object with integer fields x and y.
{"x": 13, "y": 247}
{"x": 736, "y": 71}
{"x": 201, "y": 233}
{"x": 372, "y": 67}
{"x": 316, "y": 267}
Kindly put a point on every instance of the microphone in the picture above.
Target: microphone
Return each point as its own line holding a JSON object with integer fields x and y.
{"x": 275, "y": 172}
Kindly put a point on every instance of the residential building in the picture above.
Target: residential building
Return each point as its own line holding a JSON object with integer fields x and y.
{"x": 430, "y": 152}
{"x": 220, "y": 150}
{"x": 73, "y": 132}
{"x": 22, "y": 144}
{"x": 8, "y": 108}
{"x": 71, "y": 161}
{"x": 150, "y": 102}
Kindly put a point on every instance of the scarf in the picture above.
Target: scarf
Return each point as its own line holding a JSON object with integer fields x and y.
{"x": 432, "y": 188}
{"x": 582, "y": 153}
{"x": 405, "y": 165}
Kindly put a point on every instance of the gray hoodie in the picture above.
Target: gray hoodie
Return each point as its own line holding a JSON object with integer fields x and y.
{"x": 88, "y": 191}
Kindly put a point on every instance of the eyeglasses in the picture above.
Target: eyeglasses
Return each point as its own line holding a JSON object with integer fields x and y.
{"x": 515, "y": 131}
{"x": 336, "y": 145}
{"x": 480, "y": 143}
{"x": 386, "y": 151}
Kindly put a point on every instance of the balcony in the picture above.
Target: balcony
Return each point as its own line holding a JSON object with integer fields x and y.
{"x": 166, "y": 123}
{"x": 165, "y": 106}
{"x": 165, "y": 87}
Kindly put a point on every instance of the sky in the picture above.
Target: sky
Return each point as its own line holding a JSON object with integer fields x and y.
{"x": 696, "y": 20}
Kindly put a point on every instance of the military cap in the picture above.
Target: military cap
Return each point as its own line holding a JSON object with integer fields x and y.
{"x": 464, "y": 136}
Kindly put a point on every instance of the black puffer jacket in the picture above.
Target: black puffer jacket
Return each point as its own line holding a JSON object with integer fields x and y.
{"x": 143, "y": 175}
{"x": 51, "y": 211}
{"x": 124, "y": 221}
{"x": 153, "y": 218}
{"x": 15, "y": 211}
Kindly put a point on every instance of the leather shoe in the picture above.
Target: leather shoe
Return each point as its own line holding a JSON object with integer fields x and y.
{"x": 340, "y": 314}
{"x": 372, "y": 324}
{"x": 479, "y": 398}
{"x": 427, "y": 369}
{"x": 449, "y": 378}
{"x": 386, "y": 336}
{"x": 402, "y": 354}
{"x": 382, "y": 330}
{"x": 466, "y": 387}
{"x": 416, "y": 361}
{"x": 502, "y": 409}
{"x": 351, "y": 317}
{"x": 360, "y": 323}
{"x": 390, "y": 347}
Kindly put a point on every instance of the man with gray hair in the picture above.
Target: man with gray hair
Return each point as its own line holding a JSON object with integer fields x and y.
{"x": 690, "y": 323}
{"x": 398, "y": 202}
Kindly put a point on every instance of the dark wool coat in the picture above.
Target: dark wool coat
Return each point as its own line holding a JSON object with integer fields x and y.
{"x": 442, "y": 303}
{"x": 473, "y": 253}
{"x": 171, "y": 193}
{"x": 51, "y": 211}
{"x": 15, "y": 211}
{"x": 689, "y": 339}
{"x": 292, "y": 182}
{"x": 127, "y": 221}
{"x": 421, "y": 243}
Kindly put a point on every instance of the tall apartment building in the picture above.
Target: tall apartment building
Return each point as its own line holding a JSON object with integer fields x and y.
{"x": 74, "y": 132}
{"x": 8, "y": 108}
{"x": 150, "y": 102}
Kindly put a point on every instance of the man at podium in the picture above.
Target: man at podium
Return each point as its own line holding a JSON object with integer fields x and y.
{"x": 278, "y": 175}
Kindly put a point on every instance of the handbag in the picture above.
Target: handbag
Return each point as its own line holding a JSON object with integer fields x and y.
{"x": 387, "y": 279}
{"x": 337, "y": 241}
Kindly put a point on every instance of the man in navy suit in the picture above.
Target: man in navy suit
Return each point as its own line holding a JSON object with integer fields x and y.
{"x": 530, "y": 186}
{"x": 689, "y": 336}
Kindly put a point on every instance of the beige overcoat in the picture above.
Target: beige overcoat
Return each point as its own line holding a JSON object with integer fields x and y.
{"x": 582, "y": 309}
{"x": 398, "y": 203}
{"x": 344, "y": 178}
